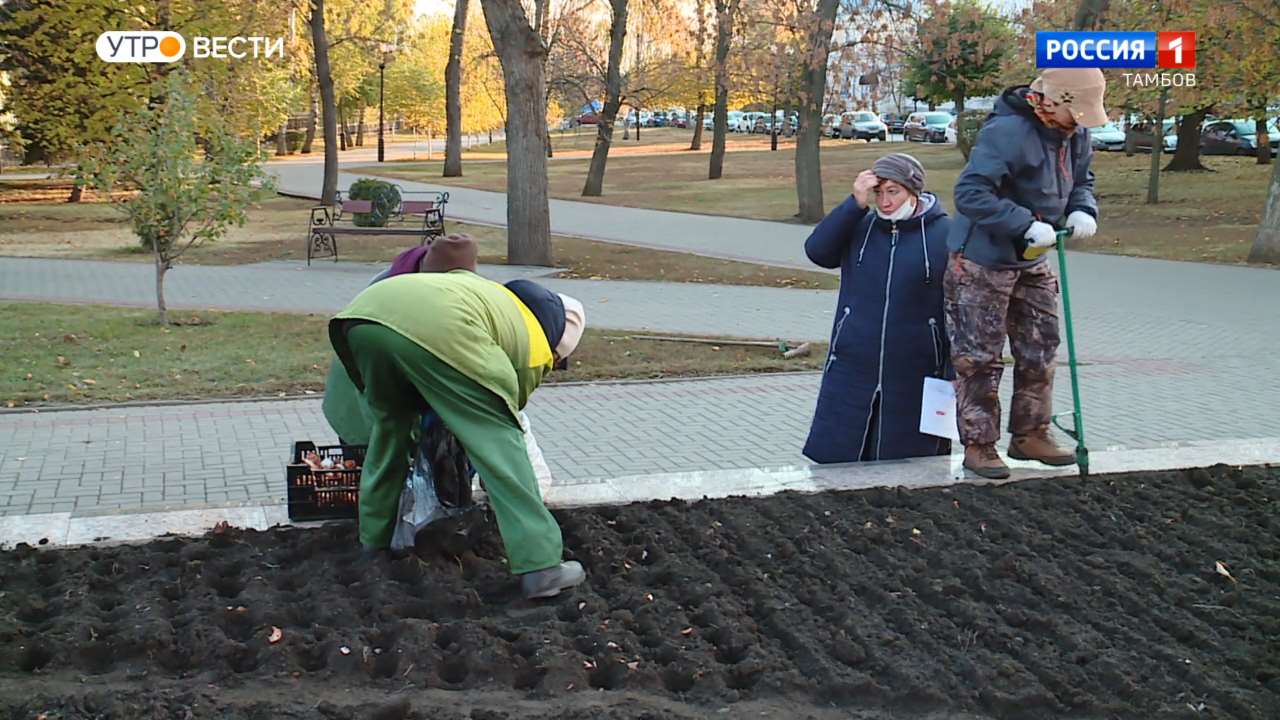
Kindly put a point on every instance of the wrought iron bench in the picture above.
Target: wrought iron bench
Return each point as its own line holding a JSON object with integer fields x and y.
{"x": 327, "y": 222}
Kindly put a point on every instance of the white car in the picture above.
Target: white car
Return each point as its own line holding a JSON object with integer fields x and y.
{"x": 951, "y": 131}
{"x": 747, "y": 122}
{"x": 1107, "y": 137}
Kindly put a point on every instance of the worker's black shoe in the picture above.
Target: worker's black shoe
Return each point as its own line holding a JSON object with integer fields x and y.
{"x": 1039, "y": 446}
{"x": 552, "y": 581}
{"x": 984, "y": 461}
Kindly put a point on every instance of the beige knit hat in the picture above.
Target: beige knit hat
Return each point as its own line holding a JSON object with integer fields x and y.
{"x": 1081, "y": 89}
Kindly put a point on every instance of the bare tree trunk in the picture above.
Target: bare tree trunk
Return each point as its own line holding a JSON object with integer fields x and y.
{"x": 360, "y": 123}
{"x": 813, "y": 89}
{"x": 1262, "y": 138}
{"x": 522, "y": 54}
{"x": 1266, "y": 246}
{"x": 77, "y": 192}
{"x": 700, "y": 62}
{"x": 1187, "y": 155}
{"x": 342, "y": 125}
{"x": 1089, "y": 14}
{"x": 697, "y": 129}
{"x": 320, "y": 42}
{"x": 311, "y": 127}
{"x": 773, "y": 124}
{"x": 1157, "y": 146}
{"x": 594, "y": 187}
{"x": 453, "y": 93}
{"x": 724, "y": 34}
{"x": 282, "y": 139}
{"x": 161, "y": 268}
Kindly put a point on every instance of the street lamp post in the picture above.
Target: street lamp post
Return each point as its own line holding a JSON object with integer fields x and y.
{"x": 387, "y": 49}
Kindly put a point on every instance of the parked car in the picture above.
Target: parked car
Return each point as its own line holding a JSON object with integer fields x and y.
{"x": 680, "y": 121}
{"x": 894, "y": 121}
{"x": 1138, "y": 135}
{"x": 747, "y": 122}
{"x": 1107, "y": 137}
{"x": 1234, "y": 137}
{"x": 926, "y": 127}
{"x": 951, "y": 131}
{"x": 862, "y": 126}
{"x": 588, "y": 118}
{"x": 831, "y": 126}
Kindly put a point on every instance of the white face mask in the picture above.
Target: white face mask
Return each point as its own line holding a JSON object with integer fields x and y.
{"x": 904, "y": 211}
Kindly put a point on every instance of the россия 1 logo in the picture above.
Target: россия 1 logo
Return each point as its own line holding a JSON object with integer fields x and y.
{"x": 1129, "y": 50}
{"x": 163, "y": 46}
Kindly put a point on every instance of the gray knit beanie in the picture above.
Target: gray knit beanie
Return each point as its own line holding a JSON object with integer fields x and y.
{"x": 902, "y": 169}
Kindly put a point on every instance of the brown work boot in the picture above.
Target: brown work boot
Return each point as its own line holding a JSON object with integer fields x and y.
{"x": 985, "y": 461}
{"x": 1038, "y": 445}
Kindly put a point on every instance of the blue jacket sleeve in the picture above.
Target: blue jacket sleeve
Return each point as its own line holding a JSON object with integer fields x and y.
{"x": 977, "y": 189}
{"x": 827, "y": 243}
{"x": 1081, "y": 197}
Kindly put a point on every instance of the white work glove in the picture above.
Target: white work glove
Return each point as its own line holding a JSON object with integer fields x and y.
{"x": 1041, "y": 235}
{"x": 1082, "y": 225}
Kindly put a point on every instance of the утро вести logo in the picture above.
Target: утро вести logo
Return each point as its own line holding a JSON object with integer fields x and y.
{"x": 164, "y": 46}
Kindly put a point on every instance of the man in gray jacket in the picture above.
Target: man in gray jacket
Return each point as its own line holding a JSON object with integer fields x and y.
{"x": 1027, "y": 173}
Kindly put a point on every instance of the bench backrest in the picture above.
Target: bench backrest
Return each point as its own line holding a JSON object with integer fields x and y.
{"x": 416, "y": 207}
{"x": 357, "y": 206}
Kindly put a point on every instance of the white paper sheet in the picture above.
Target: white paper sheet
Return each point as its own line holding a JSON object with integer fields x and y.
{"x": 938, "y": 409}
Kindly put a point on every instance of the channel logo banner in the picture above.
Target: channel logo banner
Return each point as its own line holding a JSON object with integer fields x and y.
{"x": 1072, "y": 49}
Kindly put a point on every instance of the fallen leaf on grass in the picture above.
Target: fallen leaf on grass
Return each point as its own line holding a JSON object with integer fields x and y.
{"x": 63, "y": 361}
{"x": 29, "y": 376}
{"x": 70, "y": 338}
{"x": 1222, "y": 570}
{"x": 89, "y": 381}
{"x": 276, "y": 635}
{"x": 137, "y": 354}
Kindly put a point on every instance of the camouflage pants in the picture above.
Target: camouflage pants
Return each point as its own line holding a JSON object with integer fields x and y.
{"x": 984, "y": 306}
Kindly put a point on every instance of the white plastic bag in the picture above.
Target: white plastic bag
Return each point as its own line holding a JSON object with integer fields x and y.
{"x": 540, "y": 468}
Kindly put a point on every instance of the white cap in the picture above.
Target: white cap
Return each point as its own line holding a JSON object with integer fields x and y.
{"x": 575, "y": 321}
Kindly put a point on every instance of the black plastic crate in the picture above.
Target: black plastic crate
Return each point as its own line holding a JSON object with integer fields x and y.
{"x": 324, "y": 494}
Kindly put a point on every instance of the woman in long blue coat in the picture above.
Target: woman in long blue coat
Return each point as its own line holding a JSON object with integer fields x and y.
{"x": 889, "y": 239}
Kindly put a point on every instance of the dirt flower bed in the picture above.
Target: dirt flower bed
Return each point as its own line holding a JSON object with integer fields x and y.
{"x": 1139, "y": 596}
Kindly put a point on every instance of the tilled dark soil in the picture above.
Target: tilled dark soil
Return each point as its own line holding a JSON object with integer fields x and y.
{"x": 1044, "y": 599}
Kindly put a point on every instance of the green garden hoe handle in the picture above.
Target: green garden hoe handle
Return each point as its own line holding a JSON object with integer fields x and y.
{"x": 1077, "y": 432}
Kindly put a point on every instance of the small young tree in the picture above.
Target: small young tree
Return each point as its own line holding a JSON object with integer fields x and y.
{"x": 190, "y": 188}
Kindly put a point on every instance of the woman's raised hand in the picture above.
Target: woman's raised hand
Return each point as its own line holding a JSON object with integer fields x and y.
{"x": 863, "y": 185}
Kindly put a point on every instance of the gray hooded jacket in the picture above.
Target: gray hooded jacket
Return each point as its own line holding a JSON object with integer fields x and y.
{"x": 1019, "y": 171}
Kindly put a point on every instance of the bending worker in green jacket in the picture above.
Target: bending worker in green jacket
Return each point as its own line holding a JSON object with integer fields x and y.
{"x": 473, "y": 351}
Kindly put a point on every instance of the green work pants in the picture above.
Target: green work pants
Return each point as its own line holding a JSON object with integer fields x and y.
{"x": 399, "y": 375}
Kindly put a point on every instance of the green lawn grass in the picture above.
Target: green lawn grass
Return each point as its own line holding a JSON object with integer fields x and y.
{"x": 79, "y": 354}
